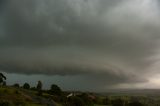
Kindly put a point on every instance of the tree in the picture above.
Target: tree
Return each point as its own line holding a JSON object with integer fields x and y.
{"x": 39, "y": 85}
{"x": 2, "y": 78}
{"x": 26, "y": 86}
{"x": 55, "y": 90}
{"x": 39, "y": 88}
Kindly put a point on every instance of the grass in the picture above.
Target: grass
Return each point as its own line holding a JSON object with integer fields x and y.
{"x": 27, "y": 97}
{"x": 16, "y": 96}
{"x": 33, "y": 105}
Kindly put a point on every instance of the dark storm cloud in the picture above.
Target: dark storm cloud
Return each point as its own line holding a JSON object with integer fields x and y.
{"x": 109, "y": 41}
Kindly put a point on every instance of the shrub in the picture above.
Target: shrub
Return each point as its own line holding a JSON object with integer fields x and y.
{"x": 5, "y": 103}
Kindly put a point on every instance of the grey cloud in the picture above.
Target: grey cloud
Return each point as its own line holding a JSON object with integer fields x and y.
{"x": 106, "y": 40}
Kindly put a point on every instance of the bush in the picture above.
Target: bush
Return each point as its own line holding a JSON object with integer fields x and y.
{"x": 39, "y": 88}
{"x": 39, "y": 85}
{"x": 5, "y": 103}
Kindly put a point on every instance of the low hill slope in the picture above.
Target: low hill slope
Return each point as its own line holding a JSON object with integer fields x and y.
{"x": 10, "y": 96}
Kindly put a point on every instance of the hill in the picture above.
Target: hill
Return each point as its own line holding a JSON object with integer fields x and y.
{"x": 10, "y": 96}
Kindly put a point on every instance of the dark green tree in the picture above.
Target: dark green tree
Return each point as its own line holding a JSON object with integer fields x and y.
{"x": 26, "y": 86}
{"x": 55, "y": 90}
{"x": 2, "y": 78}
{"x": 39, "y": 88}
{"x": 39, "y": 85}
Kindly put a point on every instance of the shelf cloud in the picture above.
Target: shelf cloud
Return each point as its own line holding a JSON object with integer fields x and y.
{"x": 112, "y": 41}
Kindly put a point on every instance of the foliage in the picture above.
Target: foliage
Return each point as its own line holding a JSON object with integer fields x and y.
{"x": 5, "y": 103}
{"x": 55, "y": 90}
{"x": 26, "y": 86}
{"x": 39, "y": 85}
{"x": 2, "y": 78}
{"x": 10, "y": 96}
{"x": 39, "y": 88}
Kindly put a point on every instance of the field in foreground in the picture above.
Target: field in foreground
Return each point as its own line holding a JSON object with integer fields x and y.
{"x": 12, "y": 96}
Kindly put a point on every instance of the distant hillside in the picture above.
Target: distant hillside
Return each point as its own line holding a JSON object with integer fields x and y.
{"x": 133, "y": 92}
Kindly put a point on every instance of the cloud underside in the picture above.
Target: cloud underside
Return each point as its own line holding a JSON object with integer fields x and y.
{"x": 113, "y": 41}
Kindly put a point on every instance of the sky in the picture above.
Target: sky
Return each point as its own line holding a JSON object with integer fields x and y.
{"x": 88, "y": 45}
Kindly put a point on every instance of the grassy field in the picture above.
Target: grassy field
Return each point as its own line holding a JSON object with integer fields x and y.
{"x": 22, "y": 97}
{"x": 17, "y": 96}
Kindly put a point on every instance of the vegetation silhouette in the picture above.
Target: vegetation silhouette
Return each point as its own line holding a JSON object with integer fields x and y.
{"x": 39, "y": 88}
{"x": 26, "y": 86}
{"x": 2, "y": 78}
{"x": 55, "y": 90}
